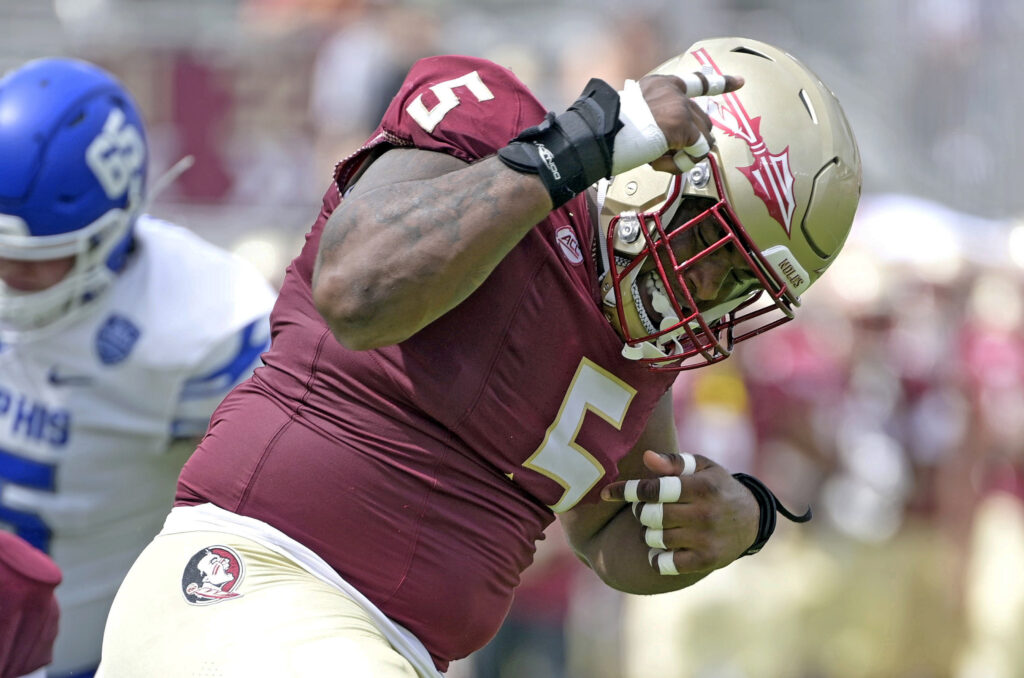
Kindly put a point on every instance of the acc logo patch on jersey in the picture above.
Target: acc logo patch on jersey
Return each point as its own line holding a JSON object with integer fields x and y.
{"x": 212, "y": 575}
{"x": 569, "y": 244}
{"x": 116, "y": 339}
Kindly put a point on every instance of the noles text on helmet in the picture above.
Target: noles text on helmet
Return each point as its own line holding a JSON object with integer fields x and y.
{"x": 702, "y": 260}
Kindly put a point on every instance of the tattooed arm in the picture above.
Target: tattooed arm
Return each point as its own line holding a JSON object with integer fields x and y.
{"x": 416, "y": 235}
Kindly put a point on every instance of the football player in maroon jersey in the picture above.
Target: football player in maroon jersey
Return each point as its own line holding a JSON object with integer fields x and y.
{"x": 29, "y": 612}
{"x": 473, "y": 343}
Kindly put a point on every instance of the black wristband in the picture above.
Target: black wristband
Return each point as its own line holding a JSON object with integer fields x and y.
{"x": 769, "y": 505}
{"x": 571, "y": 151}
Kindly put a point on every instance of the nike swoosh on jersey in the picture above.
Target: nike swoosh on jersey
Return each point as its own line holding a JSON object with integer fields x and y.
{"x": 58, "y": 378}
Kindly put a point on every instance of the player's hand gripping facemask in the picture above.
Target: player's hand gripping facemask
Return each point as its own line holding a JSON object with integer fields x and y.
{"x": 698, "y": 261}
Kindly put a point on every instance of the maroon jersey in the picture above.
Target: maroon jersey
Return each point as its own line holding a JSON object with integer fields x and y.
{"x": 28, "y": 607}
{"x": 424, "y": 472}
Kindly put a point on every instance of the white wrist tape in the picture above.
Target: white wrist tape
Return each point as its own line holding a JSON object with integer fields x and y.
{"x": 640, "y": 140}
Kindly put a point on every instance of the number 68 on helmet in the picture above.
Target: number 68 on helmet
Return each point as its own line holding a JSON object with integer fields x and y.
{"x": 771, "y": 204}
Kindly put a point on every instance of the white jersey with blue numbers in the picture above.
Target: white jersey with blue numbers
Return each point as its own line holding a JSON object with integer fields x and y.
{"x": 89, "y": 417}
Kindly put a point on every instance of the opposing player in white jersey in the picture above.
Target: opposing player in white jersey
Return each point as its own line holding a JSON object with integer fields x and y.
{"x": 119, "y": 334}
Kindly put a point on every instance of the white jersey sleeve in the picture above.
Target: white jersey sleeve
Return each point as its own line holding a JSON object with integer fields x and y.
{"x": 88, "y": 415}
{"x": 228, "y": 363}
{"x": 219, "y": 324}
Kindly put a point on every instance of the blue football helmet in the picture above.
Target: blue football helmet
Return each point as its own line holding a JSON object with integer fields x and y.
{"x": 73, "y": 170}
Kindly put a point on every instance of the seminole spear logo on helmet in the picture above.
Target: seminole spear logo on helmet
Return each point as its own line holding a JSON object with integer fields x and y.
{"x": 770, "y": 174}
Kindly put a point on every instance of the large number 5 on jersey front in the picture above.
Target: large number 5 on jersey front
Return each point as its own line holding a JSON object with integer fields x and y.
{"x": 560, "y": 457}
{"x": 446, "y": 99}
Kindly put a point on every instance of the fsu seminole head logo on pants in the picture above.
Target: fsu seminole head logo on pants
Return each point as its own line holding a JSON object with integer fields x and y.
{"x": 212, "y": 575}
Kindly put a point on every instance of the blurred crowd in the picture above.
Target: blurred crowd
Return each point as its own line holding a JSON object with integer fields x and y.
{"x": 896, "y": 412}
{"x": 894, "y": 406}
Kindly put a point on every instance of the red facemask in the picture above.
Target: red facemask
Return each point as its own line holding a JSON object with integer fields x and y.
{"x": 666, "y": 323}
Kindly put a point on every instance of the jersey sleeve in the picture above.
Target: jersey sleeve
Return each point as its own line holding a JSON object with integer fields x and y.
{"x": 463, "y": 106}
{"x": 209, "y": 314}
{"x": 228, "y": 363}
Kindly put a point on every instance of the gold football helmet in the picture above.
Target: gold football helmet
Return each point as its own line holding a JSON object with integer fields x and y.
{"x": 772, "y": 203}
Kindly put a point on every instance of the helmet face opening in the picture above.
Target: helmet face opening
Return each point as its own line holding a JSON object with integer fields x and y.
{"x": 687, "y": 282}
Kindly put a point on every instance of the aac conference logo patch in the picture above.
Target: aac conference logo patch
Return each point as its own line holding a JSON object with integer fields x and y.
{"x": 212, "y": 575}
{"x": 116, "y": 339}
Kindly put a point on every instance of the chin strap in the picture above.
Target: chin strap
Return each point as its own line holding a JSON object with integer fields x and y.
{"x": 769, "y": 505}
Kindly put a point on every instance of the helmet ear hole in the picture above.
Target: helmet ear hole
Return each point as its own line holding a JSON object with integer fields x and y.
{"x": 822, "y": 212}
{"x": 809, "y": 106}
{"x": 751, "y": 52}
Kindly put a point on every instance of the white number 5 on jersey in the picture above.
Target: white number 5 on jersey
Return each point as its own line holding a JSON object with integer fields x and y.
{"x": 428, "y": 118}
{"x": 560, "y": 457}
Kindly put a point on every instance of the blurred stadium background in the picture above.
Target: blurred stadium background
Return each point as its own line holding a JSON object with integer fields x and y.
{"x": 895, "y": 407}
